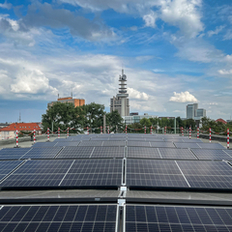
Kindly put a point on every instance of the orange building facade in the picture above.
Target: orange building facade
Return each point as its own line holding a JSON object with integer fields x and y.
{"x": 75, "y": 101}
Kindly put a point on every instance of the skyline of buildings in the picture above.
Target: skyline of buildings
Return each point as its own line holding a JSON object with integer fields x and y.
{"x": 192, "y": 112}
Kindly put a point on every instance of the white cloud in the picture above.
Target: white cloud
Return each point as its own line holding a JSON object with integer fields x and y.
{"x": 183, "y": 13}
{"x": 225, "y": 72}
{"x": 133, "y": 93}
{"x": 183, "y": 97}
{"x": 150, "y": 19}
{"x": 32, "y": 82}
{"x": 216, "y": 31}
{"x": 5, "y": 5}
{"x": 228, "y": 35}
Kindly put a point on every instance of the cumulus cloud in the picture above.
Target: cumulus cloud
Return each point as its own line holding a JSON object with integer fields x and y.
{"x": 183, "y": 97}
{"x": 32, "y": 82}
{"x": 184, "y": 14}
{"x": 133, "y": 93}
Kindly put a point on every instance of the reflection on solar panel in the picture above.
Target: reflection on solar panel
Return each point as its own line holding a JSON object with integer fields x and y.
{"x": 138, "y": 144}
{"x": 177, "y": 218}
{"x": 210, "y": 154}
{"x": 45, "y": 144}
{"x": 162, "y": 144}
{"x": 229, "y": 152}
{"x": 83, "y": 218}
{"x": 154, "y": 173}
{"x": 207, "y": 174}
{"x": 67, "y": 143}
{"x": 187, "y": 145}
{"x": 211, "y": 146}
{"x": 92, "y": 172}
{"x": 76, "y": 152}
{"x": 13, "y": 153}
{"x": 108, "y": 152}
{"x": 113, "y": 143}
{"x": 174, "y": 153}
{"x": 143, "y": 152}
{"x": 38, "y": 173}
{"x": 91, "y": 143}
{"x": 42, "y": 152}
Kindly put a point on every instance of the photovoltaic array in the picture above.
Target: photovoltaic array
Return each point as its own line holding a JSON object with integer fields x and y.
{"x": 79, "y": 171}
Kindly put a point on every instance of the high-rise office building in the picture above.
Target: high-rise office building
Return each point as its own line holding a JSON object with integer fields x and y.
{"x": 121, "y": 101}
{"x": 193, "y": 112}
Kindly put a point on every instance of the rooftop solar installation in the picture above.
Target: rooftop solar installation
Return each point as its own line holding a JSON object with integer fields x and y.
{"x": 13, "y": 153}
{"x": 175, "y": 153}
{"x": 186, "y": 145}
{"x": 75, "y": 152}
{"x": 46, "y": 218}
{"x": 211, "y": 146}
{"x": 143, "y": 152}
{"x": 162, "y": 144}
{"x": 138, "y": 144}
{"x": 91, "y": 143}
{"x": 211, "y": 154}
{"x": 108, "y": 152}
{"x": 92, "y": 172}
{"x": 42, "y": 152}
{"x": 207, "y": 174}
{"x": 229, "y": 152}
{"x": 66, "y": 143}
{"x": 7, "y": 167}
{"x": 154, "y": 173}
{"x": 142, "y": 218}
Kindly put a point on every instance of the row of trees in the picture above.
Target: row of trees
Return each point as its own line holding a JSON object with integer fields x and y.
{"x": 64, "y": 115}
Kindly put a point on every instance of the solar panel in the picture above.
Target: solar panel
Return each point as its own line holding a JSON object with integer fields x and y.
{"x": 154, "y": 173}
{"x": 186, "y": 145}
{"x": 207, "y": 174}
{"x": 92, "y": 172}
{"x": 187, "y": 140}
{"x": 108, "y": 152}
{"x": 210, "y": 154}
{"x": 175, "y": 153}
{"x": 138, "y": 144}
{"x": 113, "y": 143}
{"x": 211, "y": 146}
{"x": 229, "y": 152}
{"x": 13, "y": 153}
{"x": 91, "y": 143}
{"x": 162, "y": 144}
{"x": 61, "y": 218}
{"x": 45, "y": 144}
{"x": 38, "y": 173}
{"x": 142, "y": 218}
{"x": 75, "y": 152}
{"x": 7, "y": 167}
{"x": 142, "y": 152}
{"x": 42, "y": 152}
{"x": 66, "y": 143}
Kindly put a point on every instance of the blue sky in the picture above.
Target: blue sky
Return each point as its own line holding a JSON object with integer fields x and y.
{"x": 174, "y": 52}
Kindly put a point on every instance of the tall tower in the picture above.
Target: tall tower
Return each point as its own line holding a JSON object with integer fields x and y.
{"x": 121, "y": 101}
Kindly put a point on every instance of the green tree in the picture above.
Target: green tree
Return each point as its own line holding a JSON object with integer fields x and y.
{"x": 61, "y": 115}
{"x": 115, "y": 121}
{"x": 93, "y": 116}
{"x": 135, "y": 128}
